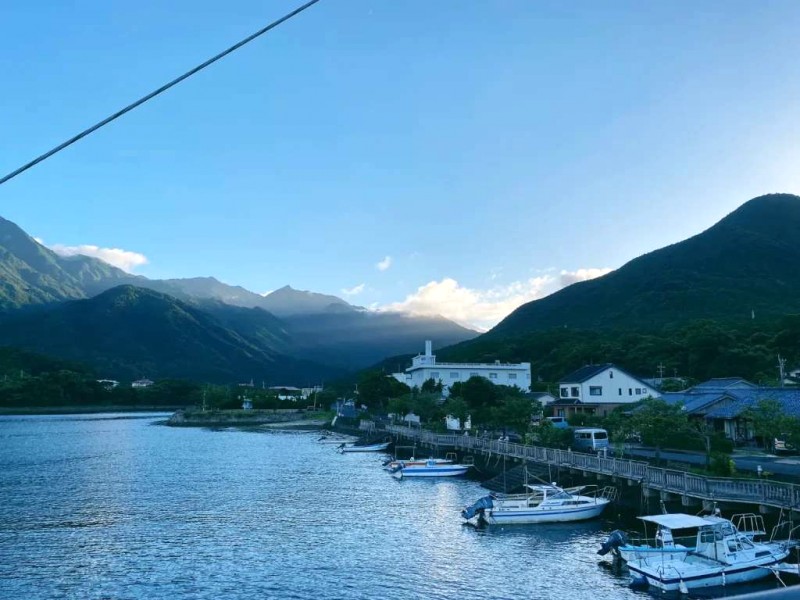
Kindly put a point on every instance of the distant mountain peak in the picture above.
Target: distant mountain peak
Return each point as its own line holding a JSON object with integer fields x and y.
{"x": 287, "y": 301}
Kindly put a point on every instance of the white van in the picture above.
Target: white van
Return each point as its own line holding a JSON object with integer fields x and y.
{"x": 591, "y": 440}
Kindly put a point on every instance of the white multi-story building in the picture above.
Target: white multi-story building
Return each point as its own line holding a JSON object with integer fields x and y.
{"x": 424, "y": 367}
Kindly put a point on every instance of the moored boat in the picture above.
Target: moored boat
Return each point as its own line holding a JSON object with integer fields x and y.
{"x": 430, "y": 468}
{"x": 412, "y": 462}
{"x": 541, "y": 503}
{"x": 722, "y": 556}
{"x": 379, "y": 447}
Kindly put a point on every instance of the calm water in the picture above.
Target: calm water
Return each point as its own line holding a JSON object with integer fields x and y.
{"x": 118, "y": 506}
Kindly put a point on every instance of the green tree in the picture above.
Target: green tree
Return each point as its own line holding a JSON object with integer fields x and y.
{"x": 658, "y": 423}
{"x": 430, "y": 386}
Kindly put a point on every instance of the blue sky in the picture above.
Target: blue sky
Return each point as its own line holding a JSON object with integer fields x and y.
{"x": 493, "y": 151}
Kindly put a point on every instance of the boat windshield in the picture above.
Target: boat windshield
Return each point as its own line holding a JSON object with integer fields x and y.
{"x": 558, "y": 494}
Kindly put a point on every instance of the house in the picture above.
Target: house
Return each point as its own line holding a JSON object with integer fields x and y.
{"x": 108, "y": 384}
{"x": 247, "y": 403}
{"x": 723, "y": 404}
{"x": 599, "y": 389}
{"x": 543, "y": 398}
{"x": 141, "y": 383}
{"x": 424, "y": 367}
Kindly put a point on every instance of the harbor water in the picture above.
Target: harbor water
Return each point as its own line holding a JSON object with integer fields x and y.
{"x": 120, "y": 506}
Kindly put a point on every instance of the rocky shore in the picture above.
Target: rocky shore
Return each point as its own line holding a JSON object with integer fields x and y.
{"x": 246, "y": 418}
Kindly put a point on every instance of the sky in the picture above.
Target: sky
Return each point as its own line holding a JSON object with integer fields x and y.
{"x": 451, "y": 157}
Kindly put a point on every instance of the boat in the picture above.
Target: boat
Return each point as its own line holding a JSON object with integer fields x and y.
{"x": 379, "y": 447}
{"x": 722, "y": 556}
{"x": 412, "y": 462}
{"x": 540, "y": 503}
{"x": 432, "y": 467}
{"x": 665, "y": 542}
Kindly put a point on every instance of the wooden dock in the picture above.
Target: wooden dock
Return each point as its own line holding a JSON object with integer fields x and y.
{"x": 688, "y": 486}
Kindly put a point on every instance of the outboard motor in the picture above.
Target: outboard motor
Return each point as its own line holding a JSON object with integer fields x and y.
{"x": 477, "y": 508}
{"x": 398, "y": 467}
{"x": 613, "y": 541}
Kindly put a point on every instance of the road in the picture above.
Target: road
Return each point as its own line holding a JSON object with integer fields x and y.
{"x": 786, "y": 466}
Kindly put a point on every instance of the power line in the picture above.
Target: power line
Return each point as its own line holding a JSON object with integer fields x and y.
{"x": 155, "y": 93}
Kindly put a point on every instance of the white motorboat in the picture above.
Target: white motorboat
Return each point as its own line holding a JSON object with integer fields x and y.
{"x": 541, "y": 503}
{"x": 345, "y": 447}
{"x": 722, "y": 556}
{"x": 412, "y": 462}
{"x": 430, "y": 468}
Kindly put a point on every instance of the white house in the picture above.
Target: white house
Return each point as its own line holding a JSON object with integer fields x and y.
{"x": 425, "y": 366}
{"x": 599, "y": 389}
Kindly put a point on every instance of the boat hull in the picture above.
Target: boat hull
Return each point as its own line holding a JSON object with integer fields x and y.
{"x": 669, "y": 581}
{"x": 437, "y": 471}
{"x": 555, "y": 515}
{"x": 371, "y": 448}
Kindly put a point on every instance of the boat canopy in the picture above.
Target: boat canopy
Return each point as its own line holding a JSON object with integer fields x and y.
{"x": 676, "y": 521}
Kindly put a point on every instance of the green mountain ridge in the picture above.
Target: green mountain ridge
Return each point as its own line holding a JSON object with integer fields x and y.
{"x": 746, "y": 262}
{"x": 148, "y": 334}
{"x": 688, "y": 306}
{"x": 298, "y": 325}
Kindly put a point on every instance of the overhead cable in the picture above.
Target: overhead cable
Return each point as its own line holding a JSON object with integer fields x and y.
{"x": 155, "y": 93}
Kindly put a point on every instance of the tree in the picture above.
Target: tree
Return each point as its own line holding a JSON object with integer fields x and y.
{"x": 457, "y": 408}
{"x": 375, "y": 388}
{"x": 658, "y": 423}
{"x": 431, "y": 386}
{"x": 771, "y": 422}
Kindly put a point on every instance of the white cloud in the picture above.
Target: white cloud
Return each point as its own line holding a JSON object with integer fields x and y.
{"x": 354, "y": 291}
{"x": 384, "y": 264}
{"x": 117, "y": 257}
{"x": 482, "y": 309}
{"x": 570, "y": 277}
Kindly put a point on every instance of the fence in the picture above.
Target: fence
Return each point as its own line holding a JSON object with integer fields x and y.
{"x": 769, "y": 493}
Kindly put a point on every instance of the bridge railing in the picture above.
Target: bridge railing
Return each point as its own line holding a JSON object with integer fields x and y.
{"x": 784, "y": 495}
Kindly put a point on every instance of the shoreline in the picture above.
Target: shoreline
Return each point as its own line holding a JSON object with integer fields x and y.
{"x": 270, "y": 418}
{"x": 85, "y": 410}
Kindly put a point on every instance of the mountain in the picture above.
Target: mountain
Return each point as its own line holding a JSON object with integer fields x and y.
{"x": 31, "y": 274}
{"x": 129, "y": 332}
{"x": 287, "y": 302}
{"x": 300, "y": 324}
{"x": 747, "y": 263}
{"x": 359, "y": 338}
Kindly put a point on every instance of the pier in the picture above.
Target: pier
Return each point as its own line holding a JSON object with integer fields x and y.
{"x": 689, "y": 487}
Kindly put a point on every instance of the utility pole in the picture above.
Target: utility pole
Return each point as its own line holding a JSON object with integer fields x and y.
{"x": 782, "y": 368}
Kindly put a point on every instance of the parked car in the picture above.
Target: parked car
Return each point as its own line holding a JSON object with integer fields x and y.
{"x": 559, "y": 422}
{"x": 781, "y": 445}
{"x": 591, "y": 439}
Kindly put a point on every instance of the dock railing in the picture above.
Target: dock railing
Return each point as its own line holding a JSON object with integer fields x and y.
{"x": 752, "y": 491}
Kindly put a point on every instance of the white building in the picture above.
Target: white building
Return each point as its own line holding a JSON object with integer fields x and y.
{"x": 424, "y": 367}
{"x": 599, "y": 389}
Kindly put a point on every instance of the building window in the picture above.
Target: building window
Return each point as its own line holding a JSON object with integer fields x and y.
{"x": 512, "y": 375}
{"x": 454, "y": 375}
{"x": 492, "y": 375}
{"x": 576, "y": 392}
{"x": 630, "y": 391}
{"x": 638, "y": 391}
{"x": 620, "y": 391}
{"x": 435, "y": 375}
{"x": 596, "y": 390}
{"x": 611, "y": 374}
{"x": 565, "y": 392}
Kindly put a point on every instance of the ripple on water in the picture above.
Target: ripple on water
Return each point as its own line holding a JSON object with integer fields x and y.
{"x": 114, "y": 508}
